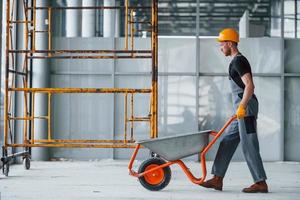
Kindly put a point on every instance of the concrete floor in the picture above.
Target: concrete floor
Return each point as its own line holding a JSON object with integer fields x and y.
{"x": 109, "y": 179}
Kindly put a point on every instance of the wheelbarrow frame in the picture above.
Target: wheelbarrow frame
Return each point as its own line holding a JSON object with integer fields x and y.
{"x": 185, "y": 169}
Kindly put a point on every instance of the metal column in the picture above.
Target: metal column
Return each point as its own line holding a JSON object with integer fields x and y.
{"x": 73, "y": 19}
{"x": 117, "y": 21}
{"x": 41, "y": 72}
{"x": 109, "y": 19}
{"x": 19, "y": 59}
{"x": 88, "y": 28}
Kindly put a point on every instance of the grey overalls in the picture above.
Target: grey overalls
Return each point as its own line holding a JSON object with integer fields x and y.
{"x": 243, "y": 130}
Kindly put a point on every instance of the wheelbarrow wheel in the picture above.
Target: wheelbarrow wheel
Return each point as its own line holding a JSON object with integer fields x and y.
{"x": 156, "y": 180}
{"x": 26, "y": 163}
{"x": 6, "y": 169}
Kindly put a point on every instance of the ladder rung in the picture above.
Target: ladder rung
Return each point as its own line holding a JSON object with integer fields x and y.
{"x": 27, "y": 118}
{"x": 41, "y": 31}
{"x": 140, "y": 22}
{"x": 16, "y": 72}
{"x": 139, "y": 119}
{"x": 20, "y": 22}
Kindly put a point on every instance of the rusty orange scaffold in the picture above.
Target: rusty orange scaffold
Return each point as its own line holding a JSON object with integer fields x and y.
{"x": 31, "y": 51}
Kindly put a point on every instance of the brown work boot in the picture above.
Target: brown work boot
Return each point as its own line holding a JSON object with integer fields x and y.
{"x": 261, "y": 187}
{"x": 216, "y": 183}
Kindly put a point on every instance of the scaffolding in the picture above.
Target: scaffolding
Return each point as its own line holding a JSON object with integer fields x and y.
{"x": 31, "y": 52}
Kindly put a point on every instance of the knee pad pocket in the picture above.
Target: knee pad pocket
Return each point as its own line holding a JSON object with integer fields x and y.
{"x": 250, "y": 124}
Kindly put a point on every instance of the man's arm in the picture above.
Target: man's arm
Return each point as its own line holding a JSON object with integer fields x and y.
{"x": 249, "y": 89}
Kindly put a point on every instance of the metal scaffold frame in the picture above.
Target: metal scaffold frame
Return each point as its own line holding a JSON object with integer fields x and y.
{"x": 29, "y": 94}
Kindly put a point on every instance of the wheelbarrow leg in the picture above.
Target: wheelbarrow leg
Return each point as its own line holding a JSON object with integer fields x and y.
{"x": 216, "y": 135}
{"x": 131, "y": 172}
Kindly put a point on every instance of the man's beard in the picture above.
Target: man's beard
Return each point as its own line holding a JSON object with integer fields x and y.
{"x": 227, "y": 53}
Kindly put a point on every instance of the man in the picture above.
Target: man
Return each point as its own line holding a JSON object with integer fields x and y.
{"x": 243, "y": 129}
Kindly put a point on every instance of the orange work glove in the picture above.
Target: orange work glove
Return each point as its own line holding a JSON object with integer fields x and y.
{"x": 241, "y": 112}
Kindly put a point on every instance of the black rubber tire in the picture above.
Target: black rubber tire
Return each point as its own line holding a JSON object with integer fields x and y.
{"x": 26, "y": 163}
{"x": 163, "y": 183}
{"x": 6, "y": 169}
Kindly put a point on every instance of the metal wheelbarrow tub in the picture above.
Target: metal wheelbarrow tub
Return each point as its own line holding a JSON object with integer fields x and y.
{"x": 176, "y": 147}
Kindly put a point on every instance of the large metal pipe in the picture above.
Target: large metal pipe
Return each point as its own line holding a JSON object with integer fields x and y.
{"x": 73, "y": 27}
{"x": 40, "y": 79}
{"x": 244, "y": 25}
{"x": 2, "y": 28}
{"x": 117, "y": 21}
{"x": 109, "y": 19}
{"x": 88, "y": 19}
{"x": 2, "y": 46}
{"x": 18, "y": 43}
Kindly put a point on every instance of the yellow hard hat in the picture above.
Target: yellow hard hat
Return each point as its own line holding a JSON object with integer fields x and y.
{"x": 228, "y": 34}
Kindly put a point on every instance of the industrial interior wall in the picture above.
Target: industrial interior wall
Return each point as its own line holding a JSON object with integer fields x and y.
{"x": 100, "y": 116}
{"x": 292, "y": 96}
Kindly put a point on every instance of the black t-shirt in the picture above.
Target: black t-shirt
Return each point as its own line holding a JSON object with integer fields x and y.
{"x": 238, "y": 67}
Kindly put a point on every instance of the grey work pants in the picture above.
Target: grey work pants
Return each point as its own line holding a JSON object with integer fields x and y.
{"x": 243, "y": 130}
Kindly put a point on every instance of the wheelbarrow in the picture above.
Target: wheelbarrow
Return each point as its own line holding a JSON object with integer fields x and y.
{"x": 155, "y": 174}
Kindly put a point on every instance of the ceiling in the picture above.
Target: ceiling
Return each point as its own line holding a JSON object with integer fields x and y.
{"x": 179, "y": 17}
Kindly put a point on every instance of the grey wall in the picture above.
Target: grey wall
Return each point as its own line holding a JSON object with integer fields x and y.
{"x": 101, "y": 116}
{"x": 292, "y": 96}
